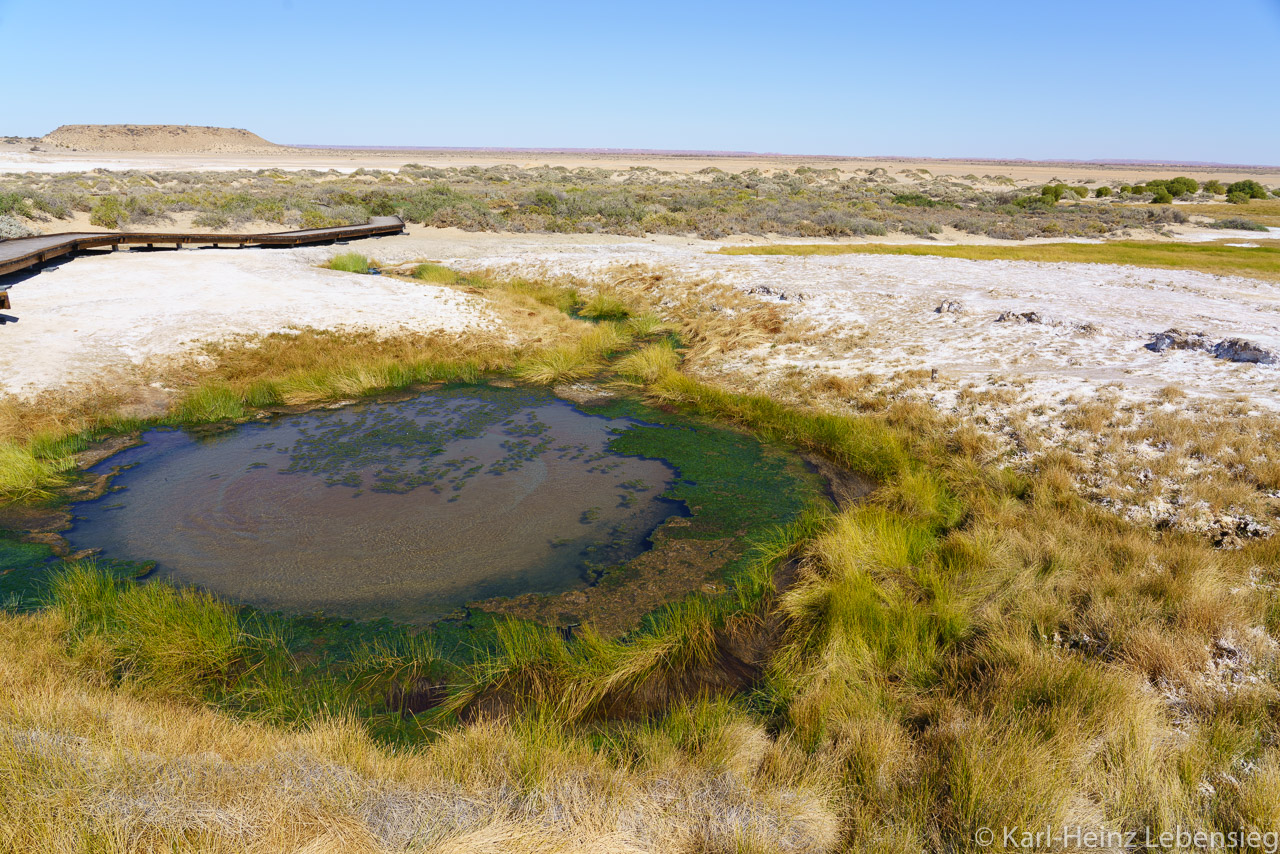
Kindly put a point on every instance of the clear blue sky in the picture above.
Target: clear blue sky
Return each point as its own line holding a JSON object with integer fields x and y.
{"x": 1180, "y": 79}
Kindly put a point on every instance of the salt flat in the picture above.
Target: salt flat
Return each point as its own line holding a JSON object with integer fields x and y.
{"x": 104, "y": 313}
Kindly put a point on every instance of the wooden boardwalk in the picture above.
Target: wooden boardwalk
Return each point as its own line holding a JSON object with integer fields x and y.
{"x": 23, "y": 252}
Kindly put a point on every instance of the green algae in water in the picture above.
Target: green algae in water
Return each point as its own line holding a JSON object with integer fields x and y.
{"x": 403, "y": 510}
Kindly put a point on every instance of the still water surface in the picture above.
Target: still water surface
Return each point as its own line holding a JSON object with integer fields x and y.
{"x": 404, "y": 509}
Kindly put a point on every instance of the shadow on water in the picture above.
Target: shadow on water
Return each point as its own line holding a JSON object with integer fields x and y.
{"x": 403, "y": 510}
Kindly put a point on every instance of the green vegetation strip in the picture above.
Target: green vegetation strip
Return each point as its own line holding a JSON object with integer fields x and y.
{"x": 1258, "y": 262}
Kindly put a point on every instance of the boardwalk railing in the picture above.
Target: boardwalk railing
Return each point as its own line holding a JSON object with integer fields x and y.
{"x": 23, "y": 252}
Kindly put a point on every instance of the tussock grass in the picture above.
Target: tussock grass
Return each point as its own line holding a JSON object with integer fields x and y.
{"x": 436, "y": 274}
{"x": 348, "y": 262}
{"x": 168, "y": 641}
{"x": 650, "y": 363}
{"x": 1262, "y": 262}
{"x": 133, "y": 773}
{"x": 26, "y": 476}
{"x": 578, "y": 360}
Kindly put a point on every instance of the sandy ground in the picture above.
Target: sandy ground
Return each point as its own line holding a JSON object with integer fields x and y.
{"x": 98, "y": 314}
{"x": 19, "y": 158}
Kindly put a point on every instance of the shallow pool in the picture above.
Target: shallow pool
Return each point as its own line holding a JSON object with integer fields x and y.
{"x": 399, "y": 509}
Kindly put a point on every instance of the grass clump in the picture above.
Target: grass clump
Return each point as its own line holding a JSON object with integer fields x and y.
{"x": 348, "y": 262}
{"x": 577, "y": 360}
{"x": 169, "y": 641}
{"x": 28, "y": 477}
{"x": 436, "y": 274}
{"x": 650, "y": 363}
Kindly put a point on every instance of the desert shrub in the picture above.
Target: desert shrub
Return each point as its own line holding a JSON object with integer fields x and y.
{"x": 1161, "y": 197}
{"x": 11, "y": 227}
{"x": 1102, "y": 192}
{"x": 1053, "y": 193}
{"x": 1214, "y": 187}
{"x": 1239, "y": 223}
{"x": 918, "y": 200}
{"x": 1180, "y": 186}
{"x": 1238, "y": 198}
{"x": 1081, "y": 192}
{"x": 1252, "y": 189}
{"x": 108, "y": 212}
{"x": 15, "y": 204}
{"x": 54, "y": 207}
{"x": 211, "y": 220}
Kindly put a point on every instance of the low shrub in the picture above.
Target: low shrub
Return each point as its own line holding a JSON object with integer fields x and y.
{"x": 108, "y": 212}
{"x": 15, "y": 204}
{"x": 1176, "y": 187}
{"x": 11, "y": 227}
{"x": 1102, "y": 192}
{"x": 1239, "y": 223}
{"x": 1214, "y": 187}
{"x": 212, "y": 220}
{"x": 1252, "y": 189}
{"x": 1161, "y": 197}
{"x": 1238, "y": 198}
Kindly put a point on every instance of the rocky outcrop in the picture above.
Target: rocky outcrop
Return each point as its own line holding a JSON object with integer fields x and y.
{"x": 950, "y": 306}
{"x": 1176, "y": 339}
{"x": 157, "y": 138}
{"x": 1239, "y": 350}
{"x": 1230, "y": 349}
{"x": 1019, "y": 317}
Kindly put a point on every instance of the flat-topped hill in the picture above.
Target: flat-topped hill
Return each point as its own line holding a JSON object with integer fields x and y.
{"x": 158, "y": 138}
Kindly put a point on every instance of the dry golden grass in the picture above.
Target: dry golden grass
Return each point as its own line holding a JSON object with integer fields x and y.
{"x": 88, "y": 768}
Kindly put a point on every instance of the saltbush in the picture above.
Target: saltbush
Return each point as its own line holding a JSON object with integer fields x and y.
{"x": 1102, "y": 192}
{"x": 1252, "y": 189}
{"x": 108, "y": 212}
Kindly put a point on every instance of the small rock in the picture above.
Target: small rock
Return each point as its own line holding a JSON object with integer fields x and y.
{"x": 1239, "y": 350}
{"x": 950, "y": 306}
{"x": 1176, "y": 339}
{"x": 1019, "y": 317}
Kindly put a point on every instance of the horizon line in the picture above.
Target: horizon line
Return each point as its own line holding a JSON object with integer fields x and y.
{"x": 681, "y": 152}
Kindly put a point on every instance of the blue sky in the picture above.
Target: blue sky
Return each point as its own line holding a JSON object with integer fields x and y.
{"x": 1039, "y": 79}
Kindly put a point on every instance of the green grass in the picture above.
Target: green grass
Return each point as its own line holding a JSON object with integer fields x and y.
{"x": 1261, "y": 262}
{"x": 1264, "y": 211}
{"x": 348, "y": 262}
{"x": 436, "y": 274}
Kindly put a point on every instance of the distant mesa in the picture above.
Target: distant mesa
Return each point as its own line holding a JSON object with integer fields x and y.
{"x": 157, "y": 138}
